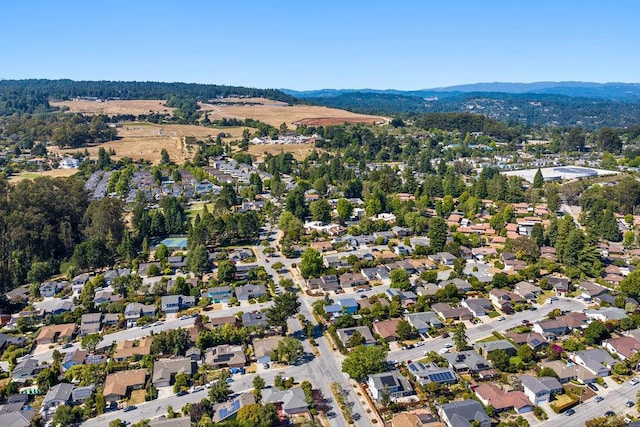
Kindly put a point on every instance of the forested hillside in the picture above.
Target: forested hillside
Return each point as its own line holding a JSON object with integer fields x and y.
{"x": 29, "y": 96}
{"x": 527, "y": 108}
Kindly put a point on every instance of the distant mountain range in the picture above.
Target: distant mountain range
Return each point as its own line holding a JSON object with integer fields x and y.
{"x": 624, "y": 92}
{"x": 590, "y": 105}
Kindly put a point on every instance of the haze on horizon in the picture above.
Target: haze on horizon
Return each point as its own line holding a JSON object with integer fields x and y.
{"x": 301, "y": 46}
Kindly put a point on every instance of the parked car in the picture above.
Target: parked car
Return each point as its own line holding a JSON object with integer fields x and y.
{"x": 592, "y": 386}
{"x": 443, "y": 350}
{"x": 130, "y": 408}
{"x": 448, "y": 345}
{"x": 228, "y": 380}
{"x": 182, "y": 393}
{"x": 424, "y": 353}
{"x": 634, "y": 381}
{"x": 569, "y": 412}
{"x": 198, "y": 388}
{"x": 599, "y": 399}
{"x": 629, "y": 404}
{"x": 525, "y": 321}
{"x": 265, "y": 365}
{"x": 501, "y": 318}
{"x": 147, "y": 326}
{"x": 609, "y": 414}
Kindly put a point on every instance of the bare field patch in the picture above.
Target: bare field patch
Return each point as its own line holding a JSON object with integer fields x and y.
{"x": 112, "y": 108}
{"x": 146, "y": 140}
{"x": 276, "y": 113}
{"x": 299, "y": 151}
{"x": 53, "y": 173}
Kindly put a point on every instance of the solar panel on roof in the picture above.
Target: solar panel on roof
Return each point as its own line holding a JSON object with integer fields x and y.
{"x": 235, "y": 405}
{"x": 388, "y": 380}
{"x": 223, "y": 413}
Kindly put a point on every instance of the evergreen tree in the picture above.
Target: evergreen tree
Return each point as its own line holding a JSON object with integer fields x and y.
{"x": 437, "y": 233}
{"x": 538, "y": 179}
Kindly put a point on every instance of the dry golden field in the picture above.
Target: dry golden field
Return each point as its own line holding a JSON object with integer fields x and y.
{"x": 299, "y": 151}
{"x": 112, "y": 108}
{"x": 53, "y": 173}
{"x": 276, "y": 113}
{"x": 268, "y": 111}
{"x": 146, "y": 141}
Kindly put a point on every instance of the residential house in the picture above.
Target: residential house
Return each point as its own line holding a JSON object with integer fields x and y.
{"x": 55, "y": 306}
{"x": 376, "y": 274}
{"x": 134, "y": 310}
{"x": 426, "y": 373}
{"x": 22, "y": 418}
{"x": 446, "y": 312}
{"x": 527, "y": 290}
{"x": 596, "y": 360}
{"x": 623, "y": 347}
{"x": 444, "y": 258}
{"x": 216, "y": 322}
{"x": 559, "y": 284}
{"x": 551, "y": 328}
{"x": 345, "y": 334}
{"x": 105, "y": 296}
{"x": 225, "y": 356}
{"x": 462, "y": 285}
{"x": 263, "y": 348}
{"x": 325, "y": 283}
{"x": 49, "y": 289}
{"x": 350, "y": 280}
{"x": 119, "y": 384}
{"x": 90, "y": 323}
{"x": 491, "y": 394}
{"x": 165, "y": 370}
{"x": 540, "y": 389}
{"x": 229, "y": 410}
{"x": 177, "y": 262}
{"x": 427, "y": 289}
{"x": 348, "y": 305}
{"x": 292, "y": 401}
{"x": 570, "y": 371}
{"x": 175, "y": 303}
{"x": 76, "y": 357}
{"x": 468, "y": 361}
{"x": 391, "y": 382}
{"x": 477, "y": 306}
{"x": 26, "y": 369}
{"x": 81, "y": 394}
{"x": 127, "y": 349}
{"x": 533, "y": 339}
{"x": 591, "y": 290}
{"x": 387, "y": 329}
{"x": 464, "y": 413}
{"x": 407, "y": 298}
{"x": 424, "y": 321}
{"x": 574, "y": 320}
{"x": 219, "y": 294}
{"x": 486, "y": 347}
{"x": 415, "y": 419}
{"x": 249, "y": 291}
{"x": 479, "y": 254}
{"x": 56, "y": 333}
{"x": 59, "y": 394}
{"x": 194, "y": 353}
{"x": 256, "y": 319}
{"x": 605, "y": 314}
{"x": 504, "y": 300}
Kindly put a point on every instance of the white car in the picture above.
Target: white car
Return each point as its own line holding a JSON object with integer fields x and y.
{"x": 420, "y": 344}
{"x": 443, "y": 350}
{"x": 634, "y": 381}
{"x": 501, "y": 318}
{"x": 448, "y": 345}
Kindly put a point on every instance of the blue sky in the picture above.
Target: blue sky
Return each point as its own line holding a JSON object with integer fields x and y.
{"x": 322, "y": 44}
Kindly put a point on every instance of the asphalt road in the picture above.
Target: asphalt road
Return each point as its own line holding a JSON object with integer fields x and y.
{"x": 615, "y": 398}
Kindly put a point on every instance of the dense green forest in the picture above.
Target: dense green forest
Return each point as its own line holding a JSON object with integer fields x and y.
{"x": 530, "y": 109}
{"x": 35, "y": 91}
